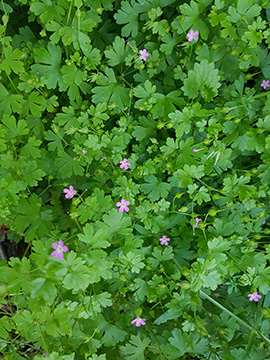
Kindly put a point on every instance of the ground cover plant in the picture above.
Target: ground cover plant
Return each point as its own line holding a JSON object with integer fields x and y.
{"x": 134, "y": 152}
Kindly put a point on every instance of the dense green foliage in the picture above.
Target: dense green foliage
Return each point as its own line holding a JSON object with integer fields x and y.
{"x": 75, "y": 100}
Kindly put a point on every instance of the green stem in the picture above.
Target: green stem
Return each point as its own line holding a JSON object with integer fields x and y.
{"x": 28, "y": 246}
{"x": 43, "y": 340}
{"x": 13, "y": 84}
{"x": 69, "y": 11}
{"x": 236, "y": 317}
{"x": 261, "y": 95}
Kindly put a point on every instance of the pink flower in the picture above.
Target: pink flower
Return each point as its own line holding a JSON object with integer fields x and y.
{"x": 195, "y": 150}
{"x": 69, "y": 192}
{"x": 217, "y": 294}
{"x": 83, "y": 151}
{"x": 144, "y": 54}
{"x": 192, "y": 35}
{"x": 265, "y": 84}
{"x": 124, "y": 164}
{"x": 138, "y": 321}
{"x": 123, "y": 205}
{"x": 164, "y": 240}
{"x": 255, "y": 296}
{"x": 197, "y": 220}
{"x": 60, "y": 248}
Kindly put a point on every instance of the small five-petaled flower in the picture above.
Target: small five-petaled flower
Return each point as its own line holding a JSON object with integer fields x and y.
{"x": 255, "y": 296}
{"x": 124, "y": 164}
{"x": 123, "y": 205}
{"x": 192, "y": 35}
{"x": 69, "y": 192}
{"x": 164, "y": 240}
{"x": 144, "y": 54}
{"x": 60, "y": 248}
{"x": 197, "y": 220}
{"x": 138, "y": 322}
{"x": 265, "y": 84}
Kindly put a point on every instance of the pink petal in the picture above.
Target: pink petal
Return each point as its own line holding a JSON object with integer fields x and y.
{"x": 65, "y": 249}
{"x": 54, "y": 245}
{"x": 54, "y": 253}
{"x": 121, "y": 209}
{"x": 61, "y": 256}
{"x": 71, "y": 188}
{"x": 126, "y": 209}
{"x": 133, "y": 321}
{"x": 65, "y": 190}
{"x": 127, "y": 203}
{"x": 60, "y": 243}
{"x": 118, "y": 204}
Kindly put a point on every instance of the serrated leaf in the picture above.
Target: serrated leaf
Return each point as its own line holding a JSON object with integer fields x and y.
{"x": 155, "y": 188}
{"x": 96, "y": 240}
{"x": 135, "y": 349}
{"x": 203, "y": 79}
{"x": 117, "y": 54}
{"x": 129, "y": 16}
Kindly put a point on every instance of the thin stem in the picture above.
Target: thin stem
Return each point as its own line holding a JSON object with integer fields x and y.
{"x": 236, "y": 317}
{"x": 42, "y": 338}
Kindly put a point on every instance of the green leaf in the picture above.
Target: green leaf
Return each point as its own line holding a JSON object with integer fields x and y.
{"x": 191, "y": 18}
{"x": 31, "y": 173}
{"x": 74, "y": 79}
{"x": 96, "y": 240}
{"x": 109, "y": 91}
{"x": 67, "y": 165}
{"x": 54, "y": 138}
{"x": 170, "y": 314}
{"x": 145, "y": 94}
{"x": 9, "y": 102}
{"x": 204, "y": 79}
{"x": 116, "y": 223}
{"x": 11, "y": 61}
{"x": 113, "y": 335}
{"x": 136, "y": 347}
{"x": 77, "y": 277}
{"x": 14, "y": 129}
{"x": 202, "y": 195}
{"x": 32, "y": 104}
{"x": 189, "y": 171}
{"x": 5, "y": 327}
{"x": 218, "y": 244}
{"x": 146, "y": 131}
{"x": 129, "y": 16}
{"x": 118, "y": 53}
{"x": 57, "y": 322}
{"x": 155, "y": 188}
{"x": 51, "y": 72}
{"x": 47, "y": 11}
{"x": 178, "y": 342}
{"x": 28, "y": 218}
{"x": 169, "y": 43}
{"x": 133, "y": 261}
{"x": 165, "y": 104}
{"x": 44, "y": 288}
